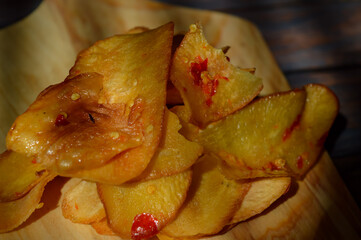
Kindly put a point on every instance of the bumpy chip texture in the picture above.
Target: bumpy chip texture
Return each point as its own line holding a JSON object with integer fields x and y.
{"x": 160, "y": 198}
{"x": 174, "y": 154}
{"x": 251, "y": 141}
{"x": 211, "y": 202}
{"x": 211, "y": 87}
{"x": 136, "y": 67}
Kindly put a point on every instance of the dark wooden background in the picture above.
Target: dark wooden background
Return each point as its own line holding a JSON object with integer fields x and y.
{"x": 314, "y": 42}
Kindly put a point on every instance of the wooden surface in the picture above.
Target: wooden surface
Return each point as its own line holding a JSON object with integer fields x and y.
{"x": 40, "y": 50}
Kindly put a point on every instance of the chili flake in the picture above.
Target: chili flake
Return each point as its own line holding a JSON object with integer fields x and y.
{"x": 61, "y": 120}
{"x": 201, "y": 78}
{"x": 289, "y": 130}
{"x": 144, "y": 226}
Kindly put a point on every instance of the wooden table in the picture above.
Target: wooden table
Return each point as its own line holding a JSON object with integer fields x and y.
{"x": 319, "y": 42}
{"x": 40, "y": 50}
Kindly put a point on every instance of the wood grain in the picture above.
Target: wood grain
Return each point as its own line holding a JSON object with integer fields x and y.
{"x": 40, "y": 50}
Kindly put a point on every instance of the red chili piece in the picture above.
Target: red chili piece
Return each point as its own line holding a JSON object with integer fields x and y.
{"x": 299, "y": 162}
{"x": 209, "y": 87}
{"x": 33, "y": 161}
{"x": 289, "y": 130}
{"x": 61, "y": 120}
{"x": 197, "y": 68}
{"x": 144, "y": 226}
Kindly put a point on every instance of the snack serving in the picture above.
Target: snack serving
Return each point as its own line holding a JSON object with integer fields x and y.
{"x": 143, "y": 166}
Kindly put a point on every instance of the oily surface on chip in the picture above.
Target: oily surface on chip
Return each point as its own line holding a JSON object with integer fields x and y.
{"x": 209, "y": 84}
{"x": 306, "y": 142}
{"x": 138, "y": 79}
{"x": 69, "y": 122}
{"x": 174, "y": 154}
{"x": 159, "y": 199}
{"x": 251, "y": 140}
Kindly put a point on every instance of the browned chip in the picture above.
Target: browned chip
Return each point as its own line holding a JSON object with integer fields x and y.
{"x": 109, "y": 109}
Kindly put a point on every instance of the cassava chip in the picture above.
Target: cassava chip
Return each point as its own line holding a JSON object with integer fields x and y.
{"x": 251, "y": 140}
{"x": 136, "y": 67}
{"x": 70, "y": 130}
{"x": 19, "y": 174}
{"x": 305, "y": 143}
{"x": 211, "y": 87}
{"x": 175, "y": 154}
{"x": 81, "y": 204}
{"x": 261, "y": 194}
{"x": 112, "y": 101}
{"x": 14, "y": 213}
{"x": 211, "y": 202}
{"x": 155, "y": 202}
{"x": 303, "y": 140}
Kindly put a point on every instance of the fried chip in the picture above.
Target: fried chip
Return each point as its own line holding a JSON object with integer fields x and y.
{"x": 211, "y": 202}
{"x": 305, "y": 143}
{"x": 158, "y": 199}
{"x": 81, "y": 204}
{"x": 251, "y": 140}
{"x": 141, "y": 82}
{"x": 261, "y": 194}
{"x": 175, "y": 154}
{"x": 211, "y": 87}
{"x": 19, "y": 174}
{"x": 14, "y": 213}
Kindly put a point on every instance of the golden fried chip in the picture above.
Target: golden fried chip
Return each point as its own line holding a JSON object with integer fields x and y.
{"x": 305, "y": 143}
{"x": 67, "y": 122}
{"x": 113, "y": 100}
{"x": 302, "y": 141}
{"x": 81, "y": 204}
{"x": 211, "y": 202}
{"x": 155, "y": 202}
{"x": 175, "y": 154}
{"x": 211, "y": 87}
{"x": 19, "y": 174}
{"x": 251, "y": 140}
{"x": 139, "y": 79}
{"x": 14, "y": 213}
{"x": 261, "y": 194}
